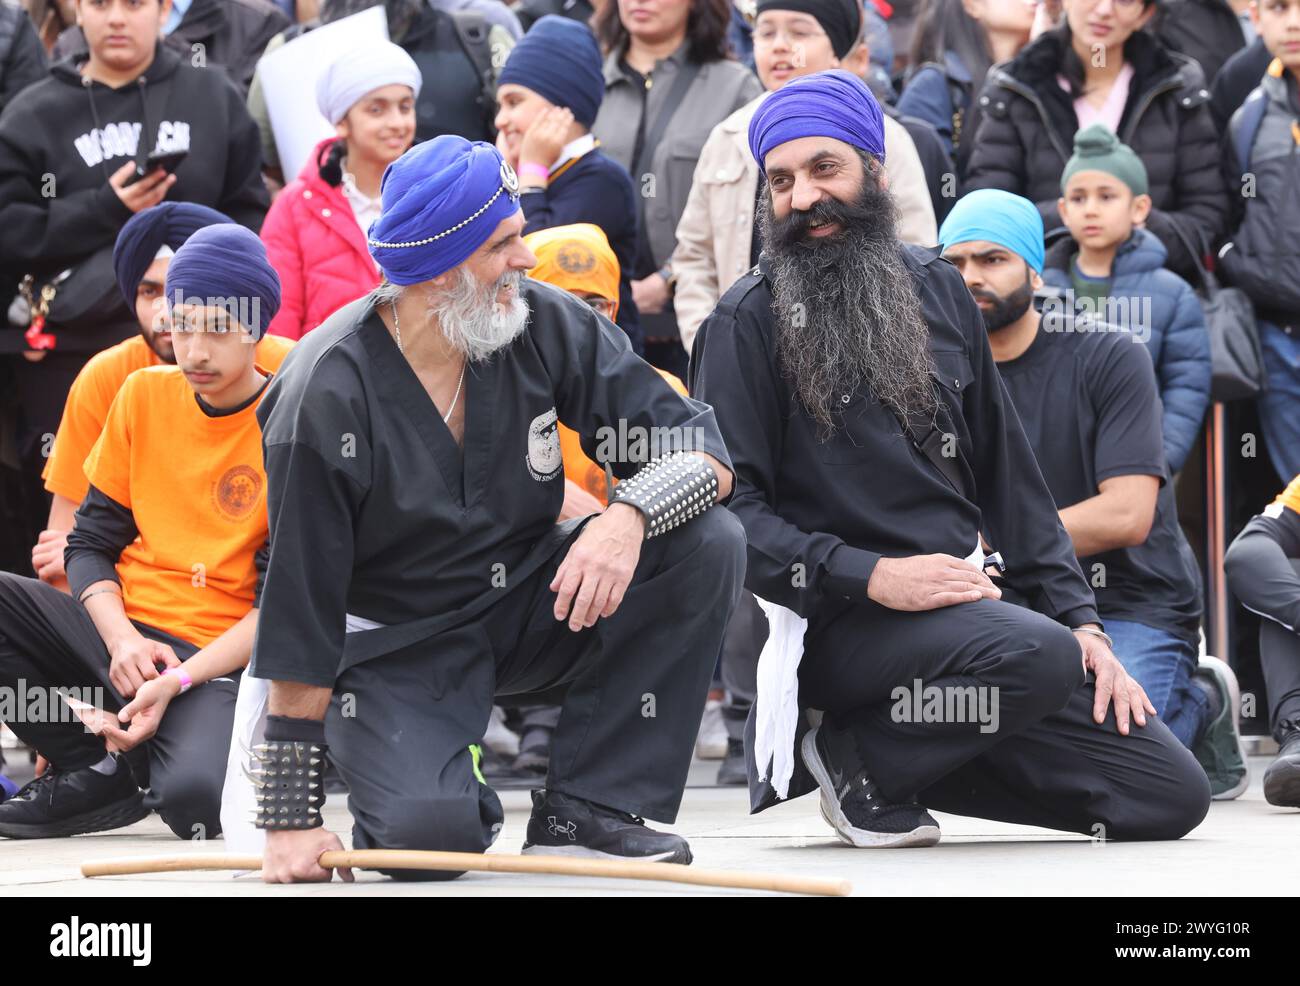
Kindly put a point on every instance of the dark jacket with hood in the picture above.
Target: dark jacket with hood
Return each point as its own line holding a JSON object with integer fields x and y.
{"x": 1263, "y": 256}
{"x": 22, "y": 59}
{"x": 1172, "y": 328}
{"x": 1027, "y": 133}
{"x": 64, "y": 136}
{"x": 232, "y": 34}
{"x": 1237, "y": 80}
{"x": 1208, "y": 31}
{"x": 943, "y": 95}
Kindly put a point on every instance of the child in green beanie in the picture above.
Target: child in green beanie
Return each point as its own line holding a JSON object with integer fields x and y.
{"x": 1113, "y": 272}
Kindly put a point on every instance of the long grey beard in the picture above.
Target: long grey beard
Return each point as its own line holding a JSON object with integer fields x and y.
{"x": 471, "y": 318}
{"x": 847, "y": 313}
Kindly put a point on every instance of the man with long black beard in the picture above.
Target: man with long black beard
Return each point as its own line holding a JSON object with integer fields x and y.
{"x": 873, "y": 444}
{"x": 414, "y": 477}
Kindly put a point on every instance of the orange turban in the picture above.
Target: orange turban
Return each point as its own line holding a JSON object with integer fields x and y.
{"x": 576, "y": 258}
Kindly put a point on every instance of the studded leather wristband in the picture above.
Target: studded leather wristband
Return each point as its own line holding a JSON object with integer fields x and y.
{"x": 288, "y": 772}
{"x": 670, "y": 490}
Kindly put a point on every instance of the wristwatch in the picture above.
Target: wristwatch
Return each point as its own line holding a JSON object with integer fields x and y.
{"x": 666, "y": 272}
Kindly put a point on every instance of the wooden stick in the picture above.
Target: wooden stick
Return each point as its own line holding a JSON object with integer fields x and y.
{"x": 410, "y": 859}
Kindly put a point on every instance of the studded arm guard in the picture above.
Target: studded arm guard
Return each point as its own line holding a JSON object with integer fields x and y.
{"x": 670, "y": 490}
{"x": 288, "y": 773}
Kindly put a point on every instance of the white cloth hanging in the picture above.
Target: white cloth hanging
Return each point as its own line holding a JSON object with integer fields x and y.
{"x": 238, "y": 804}
{"x": 776, "y": 700}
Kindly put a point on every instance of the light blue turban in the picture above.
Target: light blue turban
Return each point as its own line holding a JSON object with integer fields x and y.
{"x": 998, "y": 217}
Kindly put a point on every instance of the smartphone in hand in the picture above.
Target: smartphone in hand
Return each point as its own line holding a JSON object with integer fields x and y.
{"x": 167, "y": 162}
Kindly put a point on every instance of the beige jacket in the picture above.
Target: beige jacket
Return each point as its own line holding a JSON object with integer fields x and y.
{"x": 714, "y": 234}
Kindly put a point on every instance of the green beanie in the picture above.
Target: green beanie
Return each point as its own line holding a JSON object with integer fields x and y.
{"x": 1096, "y": 148}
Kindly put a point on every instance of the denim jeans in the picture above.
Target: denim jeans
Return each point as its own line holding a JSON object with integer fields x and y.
{"x": 1162, "y": 664}
{"x": 1279, "y": 405}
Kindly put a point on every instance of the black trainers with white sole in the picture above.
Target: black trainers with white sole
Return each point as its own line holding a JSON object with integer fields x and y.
{"x": 73, "y": 802}
{"x": 562, "y": 825}
{"x": 1282, "y": 779}
{"x": 851, "y": 802}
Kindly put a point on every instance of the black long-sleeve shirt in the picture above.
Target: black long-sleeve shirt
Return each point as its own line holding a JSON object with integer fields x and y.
{"x": 819, "y": 516}
{"x": 377, "y": 513}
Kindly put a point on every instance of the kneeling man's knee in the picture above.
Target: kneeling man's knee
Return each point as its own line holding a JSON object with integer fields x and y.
{"x": 1168, "y": 809}
{"x": 1053, "y": 663}
{"x": 434, "y": 824}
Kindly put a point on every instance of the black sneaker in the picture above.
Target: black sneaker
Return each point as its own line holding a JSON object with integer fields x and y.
{"x": 562, "y": 825}
{"x": 534, "y": 755}
{"x": 1282, "y": 779}
{"x": 852, "y": 804}
{"x": 732, "y": 772}
{"x": 73, "y": 802}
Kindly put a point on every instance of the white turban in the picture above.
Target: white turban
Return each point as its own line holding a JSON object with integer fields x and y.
{"x": 362, "y": 70}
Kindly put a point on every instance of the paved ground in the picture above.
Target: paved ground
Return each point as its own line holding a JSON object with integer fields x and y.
{"x": 1245, "y": 847}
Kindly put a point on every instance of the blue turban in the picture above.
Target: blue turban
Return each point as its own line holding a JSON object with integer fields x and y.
{"x": 225, "y": 266}
{"x": 168, "y": 224}
{"x": 560, "y": 61}
{"x": 834, "y": 103}
{"x": 999, "y": 217}
{"x": 438, "y": 203}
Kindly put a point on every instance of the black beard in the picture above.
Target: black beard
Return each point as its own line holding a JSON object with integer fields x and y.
{"x": 847, "y": 311}
{"x": 1005, "y": 310}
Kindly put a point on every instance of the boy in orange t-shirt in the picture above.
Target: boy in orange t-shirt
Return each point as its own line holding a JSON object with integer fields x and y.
{"x": 164, "y": 563}
{"x": 143, "y": 250}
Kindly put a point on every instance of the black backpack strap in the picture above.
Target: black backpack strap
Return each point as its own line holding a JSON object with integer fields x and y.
{"x": 472, "y": 31}
{"x": 676, "y": 94}
{"x": 928, "y": 438}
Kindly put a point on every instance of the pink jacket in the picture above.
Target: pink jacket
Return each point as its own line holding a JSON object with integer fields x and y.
{"x": 314, "y": 243}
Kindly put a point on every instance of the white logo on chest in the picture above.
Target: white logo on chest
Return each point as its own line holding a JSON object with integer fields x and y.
{"x": 544, "y": 458}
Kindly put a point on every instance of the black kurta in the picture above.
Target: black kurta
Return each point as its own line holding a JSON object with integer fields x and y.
{"x": 818, "y": 516}
{"x": 375, "y": 511}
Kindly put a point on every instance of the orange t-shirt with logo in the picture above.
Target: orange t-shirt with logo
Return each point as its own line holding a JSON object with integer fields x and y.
{"x": 92, "y": 393}
{"x": 582, "y": 470}
{"x": 196, "y": 487}
{"x": 1290, "y": 497}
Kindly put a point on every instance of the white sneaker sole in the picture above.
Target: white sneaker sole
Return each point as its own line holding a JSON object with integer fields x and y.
{"x": 925, "y": 835}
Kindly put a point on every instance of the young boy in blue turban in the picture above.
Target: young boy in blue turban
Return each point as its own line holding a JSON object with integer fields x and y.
{"x": 164, "y": 564}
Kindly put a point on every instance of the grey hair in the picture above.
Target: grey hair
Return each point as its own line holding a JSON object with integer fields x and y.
{"x": 387, "y": 292}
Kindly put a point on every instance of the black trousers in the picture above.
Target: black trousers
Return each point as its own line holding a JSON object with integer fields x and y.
{"x": 631, "y": 691}
{"x": 1263, "y": 568}
{"x": 48, "y": 641}
{"x": 1046, "y": 763}
{"x": 746, "y": 635}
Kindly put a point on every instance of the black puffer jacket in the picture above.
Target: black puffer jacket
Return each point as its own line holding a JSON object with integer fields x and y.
{"x": 1027, "y": 132}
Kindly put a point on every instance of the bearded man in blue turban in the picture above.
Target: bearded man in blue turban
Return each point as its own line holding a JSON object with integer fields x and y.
{"x": 417, "y": 572}
{"x": 879, "y": 461}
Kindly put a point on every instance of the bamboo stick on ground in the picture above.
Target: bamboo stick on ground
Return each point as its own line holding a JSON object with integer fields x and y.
{"x": 392, "y": 859}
